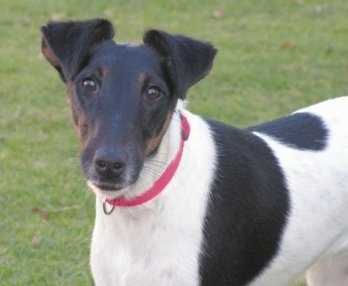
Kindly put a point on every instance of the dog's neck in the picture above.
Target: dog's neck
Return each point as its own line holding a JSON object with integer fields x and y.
{"x": 160, "y": 182}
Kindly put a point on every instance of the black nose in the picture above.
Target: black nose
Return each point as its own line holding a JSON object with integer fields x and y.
{"x": 109, "y": 163}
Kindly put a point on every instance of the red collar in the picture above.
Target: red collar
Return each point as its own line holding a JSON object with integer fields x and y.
{"x": 162, "y": 181}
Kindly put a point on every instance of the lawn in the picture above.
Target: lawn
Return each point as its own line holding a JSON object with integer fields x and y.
{"x": 274, "y": 56}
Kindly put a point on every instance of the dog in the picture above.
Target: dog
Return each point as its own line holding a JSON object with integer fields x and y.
{"x": 186, "y": 200}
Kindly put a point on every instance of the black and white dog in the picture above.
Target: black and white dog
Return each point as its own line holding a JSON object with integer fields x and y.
{"x": 185, "y": 200}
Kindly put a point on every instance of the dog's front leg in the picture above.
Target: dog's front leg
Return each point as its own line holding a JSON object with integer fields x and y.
{"x": 109, "y": 261}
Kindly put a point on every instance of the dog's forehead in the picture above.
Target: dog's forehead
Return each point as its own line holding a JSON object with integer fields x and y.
{"x": 126, "y": 56}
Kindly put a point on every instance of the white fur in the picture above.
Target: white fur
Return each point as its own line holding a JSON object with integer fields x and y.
{"x": 330, "y": 272}
{"x": 318, "y": 185}
{"x": 159, "y": 243}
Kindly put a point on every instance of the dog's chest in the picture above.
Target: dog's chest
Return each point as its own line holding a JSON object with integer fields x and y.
{"x": 148, "y": 249}
{"x": 159, "y": 243}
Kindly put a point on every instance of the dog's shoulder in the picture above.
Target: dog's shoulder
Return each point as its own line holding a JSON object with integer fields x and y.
{"x": 250, "y": 194}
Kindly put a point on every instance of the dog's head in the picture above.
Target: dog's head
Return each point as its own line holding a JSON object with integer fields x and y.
{"x": 122, "y": 97}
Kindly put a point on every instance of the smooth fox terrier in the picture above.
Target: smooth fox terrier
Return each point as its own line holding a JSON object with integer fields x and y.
{"x": 183, "y": 200}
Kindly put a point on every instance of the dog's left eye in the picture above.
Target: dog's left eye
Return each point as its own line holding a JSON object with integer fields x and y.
{"x": 89, "y": 84}
{"x": 153, "y": 93}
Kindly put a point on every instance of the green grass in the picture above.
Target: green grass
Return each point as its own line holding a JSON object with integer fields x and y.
{"x": 274, "y": 56}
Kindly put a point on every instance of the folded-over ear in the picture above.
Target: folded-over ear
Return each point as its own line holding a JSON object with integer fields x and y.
{"x": 186, "y": 60}
{"x": 66, "y": 44}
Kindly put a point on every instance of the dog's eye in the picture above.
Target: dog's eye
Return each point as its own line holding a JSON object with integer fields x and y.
{"x": 153, "y": 93}
{"x": 89, "y": 84}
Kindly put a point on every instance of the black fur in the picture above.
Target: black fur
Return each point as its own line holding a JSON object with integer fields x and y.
{"x": 299, "y": 130}
{"x": 247, "y": 210}
{"x": 66, "y": 45}
{"x": 186, "y": 60}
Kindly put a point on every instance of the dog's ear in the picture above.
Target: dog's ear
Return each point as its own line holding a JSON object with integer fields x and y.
{"x": 66, "y": 45}
{"x": 186, "y": 60}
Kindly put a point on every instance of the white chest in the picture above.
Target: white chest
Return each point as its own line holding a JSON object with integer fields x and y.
{"x": 158, "y": 243}
{"x": 145, "y": 251}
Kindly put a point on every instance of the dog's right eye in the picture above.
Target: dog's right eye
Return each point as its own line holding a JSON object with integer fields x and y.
{"x": 153, "y": 93}
{"x": 89, "y": 84}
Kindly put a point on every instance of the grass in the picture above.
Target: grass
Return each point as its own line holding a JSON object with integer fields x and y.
{"x": 274, "y": 56}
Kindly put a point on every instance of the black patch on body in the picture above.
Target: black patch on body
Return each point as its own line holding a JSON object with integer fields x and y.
{"x": 247, "y": 211}
{"x": 304, "y": 131}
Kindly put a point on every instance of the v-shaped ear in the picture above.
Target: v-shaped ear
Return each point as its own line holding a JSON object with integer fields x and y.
{"x": 66, "y": 44}
{"x": 186, "y": 60}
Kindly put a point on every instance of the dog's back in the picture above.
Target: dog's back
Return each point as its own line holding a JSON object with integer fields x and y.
{"x": 284, "y": 201}
{"x": 316, "y": 178}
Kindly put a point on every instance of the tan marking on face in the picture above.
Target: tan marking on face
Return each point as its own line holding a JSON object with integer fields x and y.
{"x": 80, "y": 124}
{"x": 82, "y": 133}
{"x": 155, "y": 141}
{"x": 103, "y": 71}
{"x": 142, "y": 79}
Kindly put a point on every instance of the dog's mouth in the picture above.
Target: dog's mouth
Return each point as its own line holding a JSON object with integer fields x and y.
{"x": 108, "y": 190}
{"x": 111, "y": 188}
{"x": 107, "y": 187}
